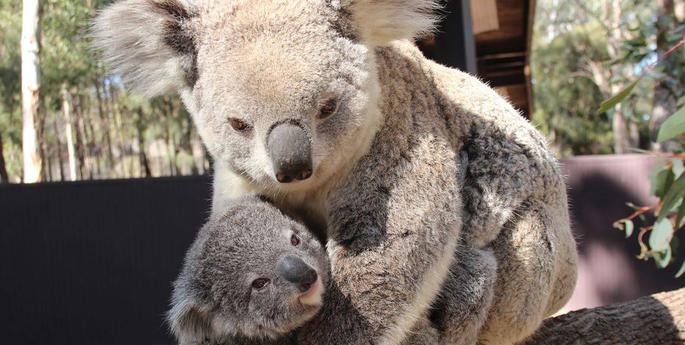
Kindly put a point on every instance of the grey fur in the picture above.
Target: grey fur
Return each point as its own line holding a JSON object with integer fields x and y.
{"x": 461, "y": 309}
{"x": 388, "y": 189}
{"x": 248, "y": 238}
{"x": 213, "y": 300}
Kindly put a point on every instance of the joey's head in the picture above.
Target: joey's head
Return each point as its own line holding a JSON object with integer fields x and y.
{"x": 252, "y": 273}
{"x": 284, "y": 92}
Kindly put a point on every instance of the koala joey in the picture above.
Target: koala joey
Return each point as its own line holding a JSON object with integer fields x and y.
{"x": 254, "y": 275}
{"x": 330, "y": 110}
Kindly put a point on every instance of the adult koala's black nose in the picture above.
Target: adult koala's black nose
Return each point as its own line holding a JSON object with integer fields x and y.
{"x": 296, "y": 271}
{"x": 289, "y": 148}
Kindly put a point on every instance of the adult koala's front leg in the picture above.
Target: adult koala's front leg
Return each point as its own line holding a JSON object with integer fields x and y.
{"x": 461, "y": 309}
{"x": 393, "y": 228}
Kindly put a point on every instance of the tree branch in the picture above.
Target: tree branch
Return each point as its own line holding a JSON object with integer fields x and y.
{"x": 656, "y": 319}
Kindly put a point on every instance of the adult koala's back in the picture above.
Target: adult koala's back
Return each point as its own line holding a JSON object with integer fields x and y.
{"x": 513, "y": 194}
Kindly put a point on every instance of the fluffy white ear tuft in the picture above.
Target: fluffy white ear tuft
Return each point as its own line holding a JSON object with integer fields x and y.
{"x": 150, "y": 43}
{"x": 382, "y": 21}
{"x": 189, "y": 323}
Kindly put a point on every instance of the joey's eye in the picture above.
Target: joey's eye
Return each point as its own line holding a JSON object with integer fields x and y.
{"x": 294, "y": 240}
{"x": 260, "y": 283}
{"x": 328, "y": 108}
{"x": 239, "y": 125}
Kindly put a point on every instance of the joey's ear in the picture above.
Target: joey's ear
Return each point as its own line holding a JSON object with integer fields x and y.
{"x": 382, "y": 21}
{"x": 189, "y": 323}
{"x": 150, "y": 43}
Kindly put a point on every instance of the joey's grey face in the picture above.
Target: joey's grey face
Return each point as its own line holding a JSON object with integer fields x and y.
{"x": 258, "y": 273}
{"x": 282, "y": 100}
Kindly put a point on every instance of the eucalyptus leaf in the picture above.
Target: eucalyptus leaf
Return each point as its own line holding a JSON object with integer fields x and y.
{"x": 662, "y": 181}
{"x": 629, "y": 226}
{"x": 681, "y": 214}
{"x": 618, "y": 98}
{"x": 661, "y": 235}
{"x": 681, "y": 101}
{"x": 677, "y": 166}
{"x": 663, "y": 258}
{"x": 673, "y": 126}
{"x": 681, "y": 270}
{"x": 673, "y": 196}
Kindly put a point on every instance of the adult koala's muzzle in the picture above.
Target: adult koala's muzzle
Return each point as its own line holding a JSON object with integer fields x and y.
{"x": 289, "y": 147}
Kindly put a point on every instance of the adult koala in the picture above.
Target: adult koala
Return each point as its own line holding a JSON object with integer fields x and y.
{"x": 327, "y": 108}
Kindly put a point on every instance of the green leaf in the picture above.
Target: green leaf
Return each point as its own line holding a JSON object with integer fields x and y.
{"x": 633, "y": 206}
{"x": 678, "y": 167}
{"x": 674, "y": 194}
{"x": 662, "y": 181}
{"x": 681, "y": 101}
{"x": 673, "y": 126}
{"x": 681, "y": 214}
{"x": 681, "y": 270}
{"x": 661, "y": 235}
{"x": 663, "y": 258}
{"x": 629, "y": 227}
{"x": 613, "y": 101}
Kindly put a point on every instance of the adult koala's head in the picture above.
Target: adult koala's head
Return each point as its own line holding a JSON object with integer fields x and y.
{"x": 283, "y": 92}
{"x": 251, "y": 273}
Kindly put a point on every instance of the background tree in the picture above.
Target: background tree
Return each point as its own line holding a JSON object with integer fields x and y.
{"x": 30, "y": 67}
{"x": 86, "y": 125}
{"x": 596, "y": 40}
{"x": 3, "y": 170}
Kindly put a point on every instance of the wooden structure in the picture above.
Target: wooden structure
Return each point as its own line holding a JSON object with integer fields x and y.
{"x": 491, "y": 39}
{"x": 503, "y": 43}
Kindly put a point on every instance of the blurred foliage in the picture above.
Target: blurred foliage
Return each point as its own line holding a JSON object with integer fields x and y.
{"x": 566, "y": 100}
{"x": 659, "y": 222}
{"x": 114, "y": 135}
{"x": 575, "y": 54}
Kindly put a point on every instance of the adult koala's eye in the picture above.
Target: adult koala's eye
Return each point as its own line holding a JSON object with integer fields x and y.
{"x": 294, "y": 240}
{"x": 328, "y": 108}
{"x": 239, "y": 125}
{"x": 260, "y": 283}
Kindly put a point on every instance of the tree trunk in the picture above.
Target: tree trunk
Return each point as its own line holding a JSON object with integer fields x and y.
{"x": 613, "y": 12}
{"x": 167, "y": 114}
{"x": 664, "y": 101}
{"x": 657, "y": 319}
{"x": 118, "y": 130}
{"x": 4, "y": 178}
{"x": 620, "y": 128}
{"x": 30, "y": 83}
{"x": 679, "y": 7}
{"x": 79, "y": 139}
{"x": 104, "y": 125}
{"x": 68, "y": 132}
{"x": 58, "y": 145}
{"x": 93, "y": 147}
{"x": 186, "y": 144}
{"x": 44, "y": 156}
{"x": 142, "y": 157}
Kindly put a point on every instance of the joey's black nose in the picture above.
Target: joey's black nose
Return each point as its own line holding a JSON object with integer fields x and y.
{"x": 296, "y": 271}
{"x": 289, "y": 148}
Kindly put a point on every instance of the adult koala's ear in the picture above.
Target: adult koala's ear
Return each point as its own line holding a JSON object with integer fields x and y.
{"x": 382, "y": 21}
{"x": 150, "y": 43}
{"x": 189, "y": 323}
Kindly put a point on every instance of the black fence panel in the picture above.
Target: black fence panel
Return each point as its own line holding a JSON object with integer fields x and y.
{"x": 92, "y": 263}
